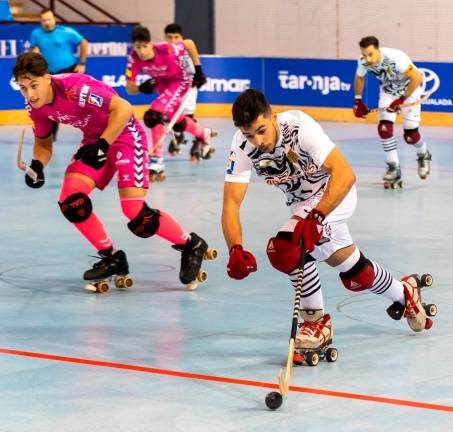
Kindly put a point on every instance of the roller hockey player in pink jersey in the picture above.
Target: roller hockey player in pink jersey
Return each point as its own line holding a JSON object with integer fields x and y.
{"x": 291, "y": 151}
{"x": 400, "y": 83}
{"x": 164, "y": 64}
{"x": 113, "y": 142}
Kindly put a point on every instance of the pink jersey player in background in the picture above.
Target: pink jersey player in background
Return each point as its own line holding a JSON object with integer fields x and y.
{"x": 113, "y": 142}
{"x": 165, "y": 64}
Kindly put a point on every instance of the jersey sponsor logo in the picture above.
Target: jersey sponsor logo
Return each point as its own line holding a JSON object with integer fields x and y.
{"x": 95, "y": 99}
{"x": 231, "y": 162}
{"x": 83, "y": 95}
{"x": 322, "y": 83}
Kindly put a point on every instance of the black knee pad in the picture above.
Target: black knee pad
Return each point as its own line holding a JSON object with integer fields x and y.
{"x": 152, "y": 118}
{"x": 146, "y": 223}
{"x": 180, "y": 126}
{"x": 76, "y": 207}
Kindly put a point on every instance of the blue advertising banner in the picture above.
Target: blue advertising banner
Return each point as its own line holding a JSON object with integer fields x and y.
{"x": 291, "y": 82}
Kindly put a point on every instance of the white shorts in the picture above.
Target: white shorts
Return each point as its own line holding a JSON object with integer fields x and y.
{"x": 411, "y": 115}
{"x": 191, "y": 102}
{"x": 335, "y": 225}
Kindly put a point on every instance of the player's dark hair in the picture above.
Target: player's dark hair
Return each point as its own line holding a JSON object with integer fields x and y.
{"x": 141, "y": 34}
{"x": 173, "y": 28}
{"x": 248, "y": 106}
{"x": 369, "y": 40}
{"x": 44, "y": 11}
{"x": 30, "y": 63}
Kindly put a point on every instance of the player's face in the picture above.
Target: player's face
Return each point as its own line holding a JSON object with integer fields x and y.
{"x": 36, "y": 90}
{"x": 263, "y": 133}
{"x": 173, "y": 37}
{"x": 48, "y": 21}
{"x": 144, "y": 50}
{"x": 371, "y": 55}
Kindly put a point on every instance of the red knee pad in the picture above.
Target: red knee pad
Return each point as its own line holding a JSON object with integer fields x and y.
{"x": 283, "y": 254}
{"x": 360, "y": 277}
{"x": 412, "y": 136}
{"x": 385, "y": 129}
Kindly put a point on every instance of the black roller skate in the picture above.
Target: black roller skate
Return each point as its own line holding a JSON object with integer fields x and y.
{"x": 314, "y": 337}
{"x": 392, "y": 177}
{"x": 175, "y": 144}
{"x": 414, "y": 310}
{"x": 424, "y": 164}
{"x": 202, "y": 148}
{"x": 193, "y": 253}
{"x": 112, "y": 267}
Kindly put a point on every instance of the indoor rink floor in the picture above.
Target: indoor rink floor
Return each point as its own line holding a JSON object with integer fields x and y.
{"x": 158, "y": 357}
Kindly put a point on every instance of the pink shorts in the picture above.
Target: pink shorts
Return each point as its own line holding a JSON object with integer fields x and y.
{"x": 170, "y": 99}
{"x": 128, "y": 156}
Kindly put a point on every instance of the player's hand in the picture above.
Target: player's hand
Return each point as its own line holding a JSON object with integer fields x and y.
{"x": 395, "y": 106}
{"x": 241, "y": 263}
{"x": 199, "y": 79}
{"x": 38, "y": 168}
{"x": 146, "y": 87}
{"x": 94, "y": 155}
{"x": 309, "y": 230}
{"x": 360, "y": 109}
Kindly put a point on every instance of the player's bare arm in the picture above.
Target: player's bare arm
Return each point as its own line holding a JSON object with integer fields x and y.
{"x": 233, "y": 195}
{"x": 359, "y": 83}
{"x": 131, "y": 88}
{"x": 80, "y": 68}
{"x": 192, "y": 50}
{"x": 120, "y": 111}
{"x": 42, "y": 150}
{"x": 342, "y": 178}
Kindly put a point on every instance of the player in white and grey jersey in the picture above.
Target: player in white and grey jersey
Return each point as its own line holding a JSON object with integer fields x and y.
{"x": 291, "y": 151}
{"x": 400, "y": 82}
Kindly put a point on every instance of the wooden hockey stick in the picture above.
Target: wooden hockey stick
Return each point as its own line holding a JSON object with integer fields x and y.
{"x": 283, "y": 381}
{"x": 20, "y": 163}
{"x": 405, "y": 105}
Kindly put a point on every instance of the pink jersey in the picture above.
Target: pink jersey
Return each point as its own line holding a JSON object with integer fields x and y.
{"x": 80, "y": 101}
{"x": 167, "y": 67}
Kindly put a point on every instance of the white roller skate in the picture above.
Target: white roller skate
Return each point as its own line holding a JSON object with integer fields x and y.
{"x": 424, "y": 164}
{"x": 314, "y": 337}
{"x": 392, "y": 177}
{"x": 156, "y": 169}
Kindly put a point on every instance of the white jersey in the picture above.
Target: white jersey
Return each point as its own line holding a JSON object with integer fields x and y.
{"x": 294, "y": 166}
{"x": 390, "y": 71}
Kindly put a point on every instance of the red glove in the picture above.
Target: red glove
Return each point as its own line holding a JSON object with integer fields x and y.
{"x": 395, "y": 105}
{"x": 309, "y": 230}
{"x": 359, "y": 108}
{"x": 241, "y": 263}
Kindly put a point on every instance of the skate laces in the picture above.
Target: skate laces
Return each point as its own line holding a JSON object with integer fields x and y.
{"x": 411, "y": 310}
{"x": 309, "y": 328}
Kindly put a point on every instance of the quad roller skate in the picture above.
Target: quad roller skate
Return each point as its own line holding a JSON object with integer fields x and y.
{"x": 175, "y": 144}
{"x": 156, "y": 169}
{"x": 111, "y": 267}
{"x": 392, "y": 177}
{"x": 415, "y": 311}
{"x": 424, "y": 165}
{"x": 313, "y": 340}
{"x": 193, "y": 253}
{"x": 202, "y": 148}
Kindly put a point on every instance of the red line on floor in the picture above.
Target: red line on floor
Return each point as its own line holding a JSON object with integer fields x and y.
{"x": 239, "y": 381}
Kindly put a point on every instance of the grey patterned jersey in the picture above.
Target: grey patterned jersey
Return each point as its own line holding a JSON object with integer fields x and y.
{"x": 295, "y": 164}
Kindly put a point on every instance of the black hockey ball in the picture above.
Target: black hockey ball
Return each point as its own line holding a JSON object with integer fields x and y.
{"x": 274, "y": 400}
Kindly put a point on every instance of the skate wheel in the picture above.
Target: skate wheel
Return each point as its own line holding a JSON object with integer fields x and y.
{"x": 119, "y": 282}
{"x": 298, "y": 359}
{"x": 426, "y": 280}
{"x": 430, "y": 309}
{"x": 152, "y": 178}
{"x": 98, "y": 287}
{"x": 202, "y": 276}
{"x": 128, "y": 282}
{"x": 161, "y": 177}
{"x": 428, "y": 324}
{"x": 386, "y": 185}
{"x": 211, "y": 254}
{"x": 312, "y": 358}
{"x": 192, "y": 286}
{"x": 331, "y": 355}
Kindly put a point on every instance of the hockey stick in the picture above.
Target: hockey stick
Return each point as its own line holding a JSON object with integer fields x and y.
{"x": 169, "y": 126}
{"x": 20, "y": 163}
{"x": 405, "y": 105}
{"x": 283, "y": 381}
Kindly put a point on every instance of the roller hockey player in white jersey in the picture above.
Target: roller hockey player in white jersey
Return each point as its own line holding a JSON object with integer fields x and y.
{"x": 400, "y": 83}
{"x": 291, "y": 151}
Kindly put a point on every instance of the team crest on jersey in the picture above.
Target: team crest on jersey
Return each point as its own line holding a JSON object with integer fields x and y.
{"x": 231, "y": 162}
{"x": 95, "y": 99}
{"x": 292, "y": 156}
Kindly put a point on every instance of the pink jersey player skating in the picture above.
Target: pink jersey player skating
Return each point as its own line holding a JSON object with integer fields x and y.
{"x": 113, "y": 142}
{"x": 165, "y": 64}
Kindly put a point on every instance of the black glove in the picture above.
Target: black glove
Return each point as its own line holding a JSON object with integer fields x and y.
{"x": 38, "y": 168}
{"x": 146, "y": 87}
{"x": 94, "y": 155}
{"x": 199, "y": 79}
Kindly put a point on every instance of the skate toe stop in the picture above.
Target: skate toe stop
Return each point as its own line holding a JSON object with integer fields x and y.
{"x": 428, "y": 324}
